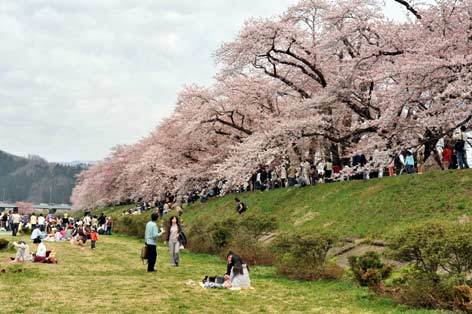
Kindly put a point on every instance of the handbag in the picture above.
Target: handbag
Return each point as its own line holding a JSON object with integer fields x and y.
{"x": 182, "y": 239}
{"x": 144, "y": 253}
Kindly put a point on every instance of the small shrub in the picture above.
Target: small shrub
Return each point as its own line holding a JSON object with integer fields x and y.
{"x": 257, "y": 225}
{"x": 435, "y": 246}
{"x": 427, "y": 291}
{"x": 302, "y": 256}
{"x": 199, "y": 241}
{"x": 132, "y": 225}
{"x": 210, "y": 238}
{"x": 250, "y": 249}
{"x": 240, "y": 234}
{"x": 331, "y": 271}
{"x": 4, "y": 244}
{"x": 222, "y": 232}
{"x": 368, "y": 269}
{"x": 441, "y": 257}
{"x": 463, "y": 298}
{"x": 246, "y": 238}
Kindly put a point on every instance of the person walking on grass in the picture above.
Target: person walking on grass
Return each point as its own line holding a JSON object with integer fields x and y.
{"x": 176, "y": 239}
{"x": 150, "y": 239}
{"x": 93, "y": 238}
{"x": 240, "y": 206}
{"x": 15, "y": 222}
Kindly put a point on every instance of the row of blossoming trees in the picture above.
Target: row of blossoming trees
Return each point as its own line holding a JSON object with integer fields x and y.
{"x": 339, "y": 72}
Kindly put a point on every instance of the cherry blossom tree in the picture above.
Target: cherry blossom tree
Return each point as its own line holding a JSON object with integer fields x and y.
{"x": 336, "y": 74}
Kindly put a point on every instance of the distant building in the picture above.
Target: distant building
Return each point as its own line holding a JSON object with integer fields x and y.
{"x": 52, "y": 207}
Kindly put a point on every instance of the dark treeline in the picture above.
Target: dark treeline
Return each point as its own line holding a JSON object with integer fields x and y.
{"x": 33, "y": 179}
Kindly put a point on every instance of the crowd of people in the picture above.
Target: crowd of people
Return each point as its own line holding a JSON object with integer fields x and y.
{"x": 162, "y": 207}
{"x": 453, "y": 151}
{"x": 52, "y": 228}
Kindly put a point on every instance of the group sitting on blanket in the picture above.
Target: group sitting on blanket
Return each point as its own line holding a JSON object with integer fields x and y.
{"x": 236, "y": 277}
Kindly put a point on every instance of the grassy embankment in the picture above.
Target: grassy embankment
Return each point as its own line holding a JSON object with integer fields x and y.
{"x": 112, "y": 279}
{"x": 372, "y": 209}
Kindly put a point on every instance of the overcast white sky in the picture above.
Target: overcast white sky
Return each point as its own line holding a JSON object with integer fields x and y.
{"x": 78, "y": 77}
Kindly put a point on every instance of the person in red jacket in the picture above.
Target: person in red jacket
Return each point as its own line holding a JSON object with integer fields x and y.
{"x": 93, "y": 238}
{"x": 447, "y": 157}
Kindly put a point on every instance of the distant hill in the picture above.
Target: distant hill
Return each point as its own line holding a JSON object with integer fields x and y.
{"x": 35, "y": 180}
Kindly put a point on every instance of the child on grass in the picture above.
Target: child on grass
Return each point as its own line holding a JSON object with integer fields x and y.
{"x": 93, "y": 238}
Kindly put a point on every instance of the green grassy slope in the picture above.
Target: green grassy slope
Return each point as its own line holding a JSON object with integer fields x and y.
{"x": 373, "y": 208}
{"x": 112, "y": 279}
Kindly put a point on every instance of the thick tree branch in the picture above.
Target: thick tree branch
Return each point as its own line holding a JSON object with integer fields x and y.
{"x": 230, "y": 124}
{"x": 409, "y": 8}
{"x": 342, "y": 139}
{"x": 281, "y": 78}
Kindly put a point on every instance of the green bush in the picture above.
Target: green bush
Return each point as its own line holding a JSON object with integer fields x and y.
{"x": 368, "y": 269}
{"x": 441, "y": 256}
{"x": 4, "y": 244}
{"x": 436, "y": 291}
{"x": 302, "y": 256}
{"x": 246, "y": 238}
{"x": 238, "y": 233}
{"x": 132, "y": 225}
{"x": 435, "y": 246}
{"x": 257, "y": 225}
{"x": 251, "y": 249}
{"x": 199, "y": 241}
{"x": 427, "y": 291}
{"x": 222, "y": 232}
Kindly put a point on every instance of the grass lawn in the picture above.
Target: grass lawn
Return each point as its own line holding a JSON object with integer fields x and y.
{"x": 112, "y": 279}
{"x": 375, "y": 208}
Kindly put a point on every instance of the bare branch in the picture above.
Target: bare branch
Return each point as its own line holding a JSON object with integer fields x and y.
{"x": 409, "y": 8}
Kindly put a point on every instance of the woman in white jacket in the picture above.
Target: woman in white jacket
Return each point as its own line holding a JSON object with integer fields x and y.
{"x": 239, "y": 275}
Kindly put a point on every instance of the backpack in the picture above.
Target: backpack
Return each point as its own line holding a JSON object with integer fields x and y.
{"x": 215, "y": 279}
{"x": 459, "y": 145}
{"x": 243, "y": 208}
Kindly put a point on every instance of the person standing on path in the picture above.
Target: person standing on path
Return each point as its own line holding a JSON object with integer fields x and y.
{"x": 175, "y": 239}
{"x": 150, "y": 239}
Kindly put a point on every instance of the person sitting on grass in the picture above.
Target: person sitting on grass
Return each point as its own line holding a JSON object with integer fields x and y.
{"x": 38, "y": 232}
{"x": 237, "y": 274}
{"x": 58, "y": 236}
{"x": 42, "y": 254}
